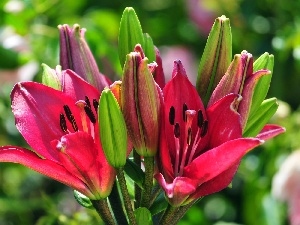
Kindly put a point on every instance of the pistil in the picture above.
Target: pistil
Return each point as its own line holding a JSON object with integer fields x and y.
{"x": 190, "y": 143}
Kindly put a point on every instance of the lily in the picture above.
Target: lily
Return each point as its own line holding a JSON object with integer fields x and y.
{"x": 200, "y": 148}
{"x": 76, "y": 55}
{"x": 61, "y": 126}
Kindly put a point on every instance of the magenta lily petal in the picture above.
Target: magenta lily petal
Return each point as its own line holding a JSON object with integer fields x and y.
{"x": 216, "y": 184}
{"x": 179, "y": 190}
{"x": 247, "y": 93}
{"x": 37, "y": 108}
{"x": 218, "y": 160}
{"x": 269, "y": 131}
{"x": 80, "y": 145}
{"x": 44, "y": 166}
{"x": 158, "y": 74}
{"x": 75, "y": 86}
{"x": 224, "y": 121}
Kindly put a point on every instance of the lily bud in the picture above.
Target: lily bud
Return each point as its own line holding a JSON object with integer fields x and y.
{"x": 76, "y": 55}
{"x": 215, "y": 58}
{"x": 240, "y": 79}
{"x": 131, "y": 34}
{"x": 51, "y": 77}
{"x": 113, "y": 131}
{"x": 116, "y": 87}
{"x": 140, "y": 104}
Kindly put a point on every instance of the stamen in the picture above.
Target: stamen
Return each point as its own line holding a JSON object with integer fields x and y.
{"x": 200, "y": 119}
{"x": 177, "y": 130}
{"x": 172, "y": 115}
{"x": 95, "y": 104}
{"x": 63, "y": 122}
{"x": 90, "y": 114}
{"x": 87, "y": 101}
{"x": 70, "y": 117}
{"x": 184, "y": 109}
{"x": 177, "y": 147}
{"x": 189, "y": 136}
{"x": 204, "y": 128}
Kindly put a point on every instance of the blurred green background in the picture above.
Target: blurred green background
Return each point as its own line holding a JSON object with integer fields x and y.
{"x": 29, "y": 37}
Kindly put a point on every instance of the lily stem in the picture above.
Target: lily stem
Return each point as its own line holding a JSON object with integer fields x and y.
{"x": 137, "y": 189}
{"x": 103, "y": 210}
{"x": 168, "y": 216}
{"x": 116, "y": 205}
{"x": 181, "y": 212}
{"x": 126, "y": 197}
{"x": 149, "y": 170}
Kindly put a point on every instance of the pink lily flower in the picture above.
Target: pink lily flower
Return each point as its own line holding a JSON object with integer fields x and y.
{"x": 200, "y": 149}
{"x": 62, "y": 129}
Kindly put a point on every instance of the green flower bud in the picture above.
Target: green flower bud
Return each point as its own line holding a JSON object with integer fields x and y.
{"x": 113, "y": 131}
{"x": 51, "y": 77}
{"x": 215, "y": 58}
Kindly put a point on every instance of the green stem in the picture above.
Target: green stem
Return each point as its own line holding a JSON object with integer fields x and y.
{"x": 126, "y": 197}
{"x": 116, "y": 205}
{"x": 181, "y": 211}
{"x": 137, "y": 189}
{"x": 103, "y": 210}
{"x": 168, "y": 216}
{"x": 149, "y": 170}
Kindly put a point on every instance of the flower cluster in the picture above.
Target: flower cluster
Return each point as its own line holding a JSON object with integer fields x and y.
{"x": 84, "y": 130}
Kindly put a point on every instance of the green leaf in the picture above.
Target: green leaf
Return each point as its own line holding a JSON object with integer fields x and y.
{"x": 112, "y": 128}
{"x": 159, "y": 205}
{"x": 83, "y": 200}
{"x": 134, "y": 172}
{"x": 148, "y": 48}
{"x": 258, "y": 120}
{"x": 215, "y": 58}
{"x": 50, "y": 77}
{"x": 143, "y": 216}
{"x": 130, "y": 34}
{"x": 265, "y": 61}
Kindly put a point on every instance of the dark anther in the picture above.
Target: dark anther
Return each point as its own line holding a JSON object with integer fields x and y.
{"x": 172, "y": 115}
{"x": 70, "y": 117}
{"x": 90, "y": 114}
{"x": 204, "y": 128}
{"x": 189, "y": 137}
{"x": 177, "y": 130}
{"x": 200, "y": 119}
{"x": 87, "y": 101}
{"x": 184, "y": 108}
{"x": 63, "y": 122}
{"x": 95, "y": 104}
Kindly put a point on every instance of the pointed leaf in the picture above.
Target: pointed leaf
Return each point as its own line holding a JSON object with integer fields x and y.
{"x": 265, "y": 61}
{"x": 148, "y": 48}
{"x": 135, "y": 173}
{"x": 113, "y": 131}
{"x": 159, "y": 205}
{"x": 215, "y": 59}
{"x": 262, "y": 115}
{"x": 130, "y": 34}
{"x": 83, "y": 200}
{"x": 143, "y": 216}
